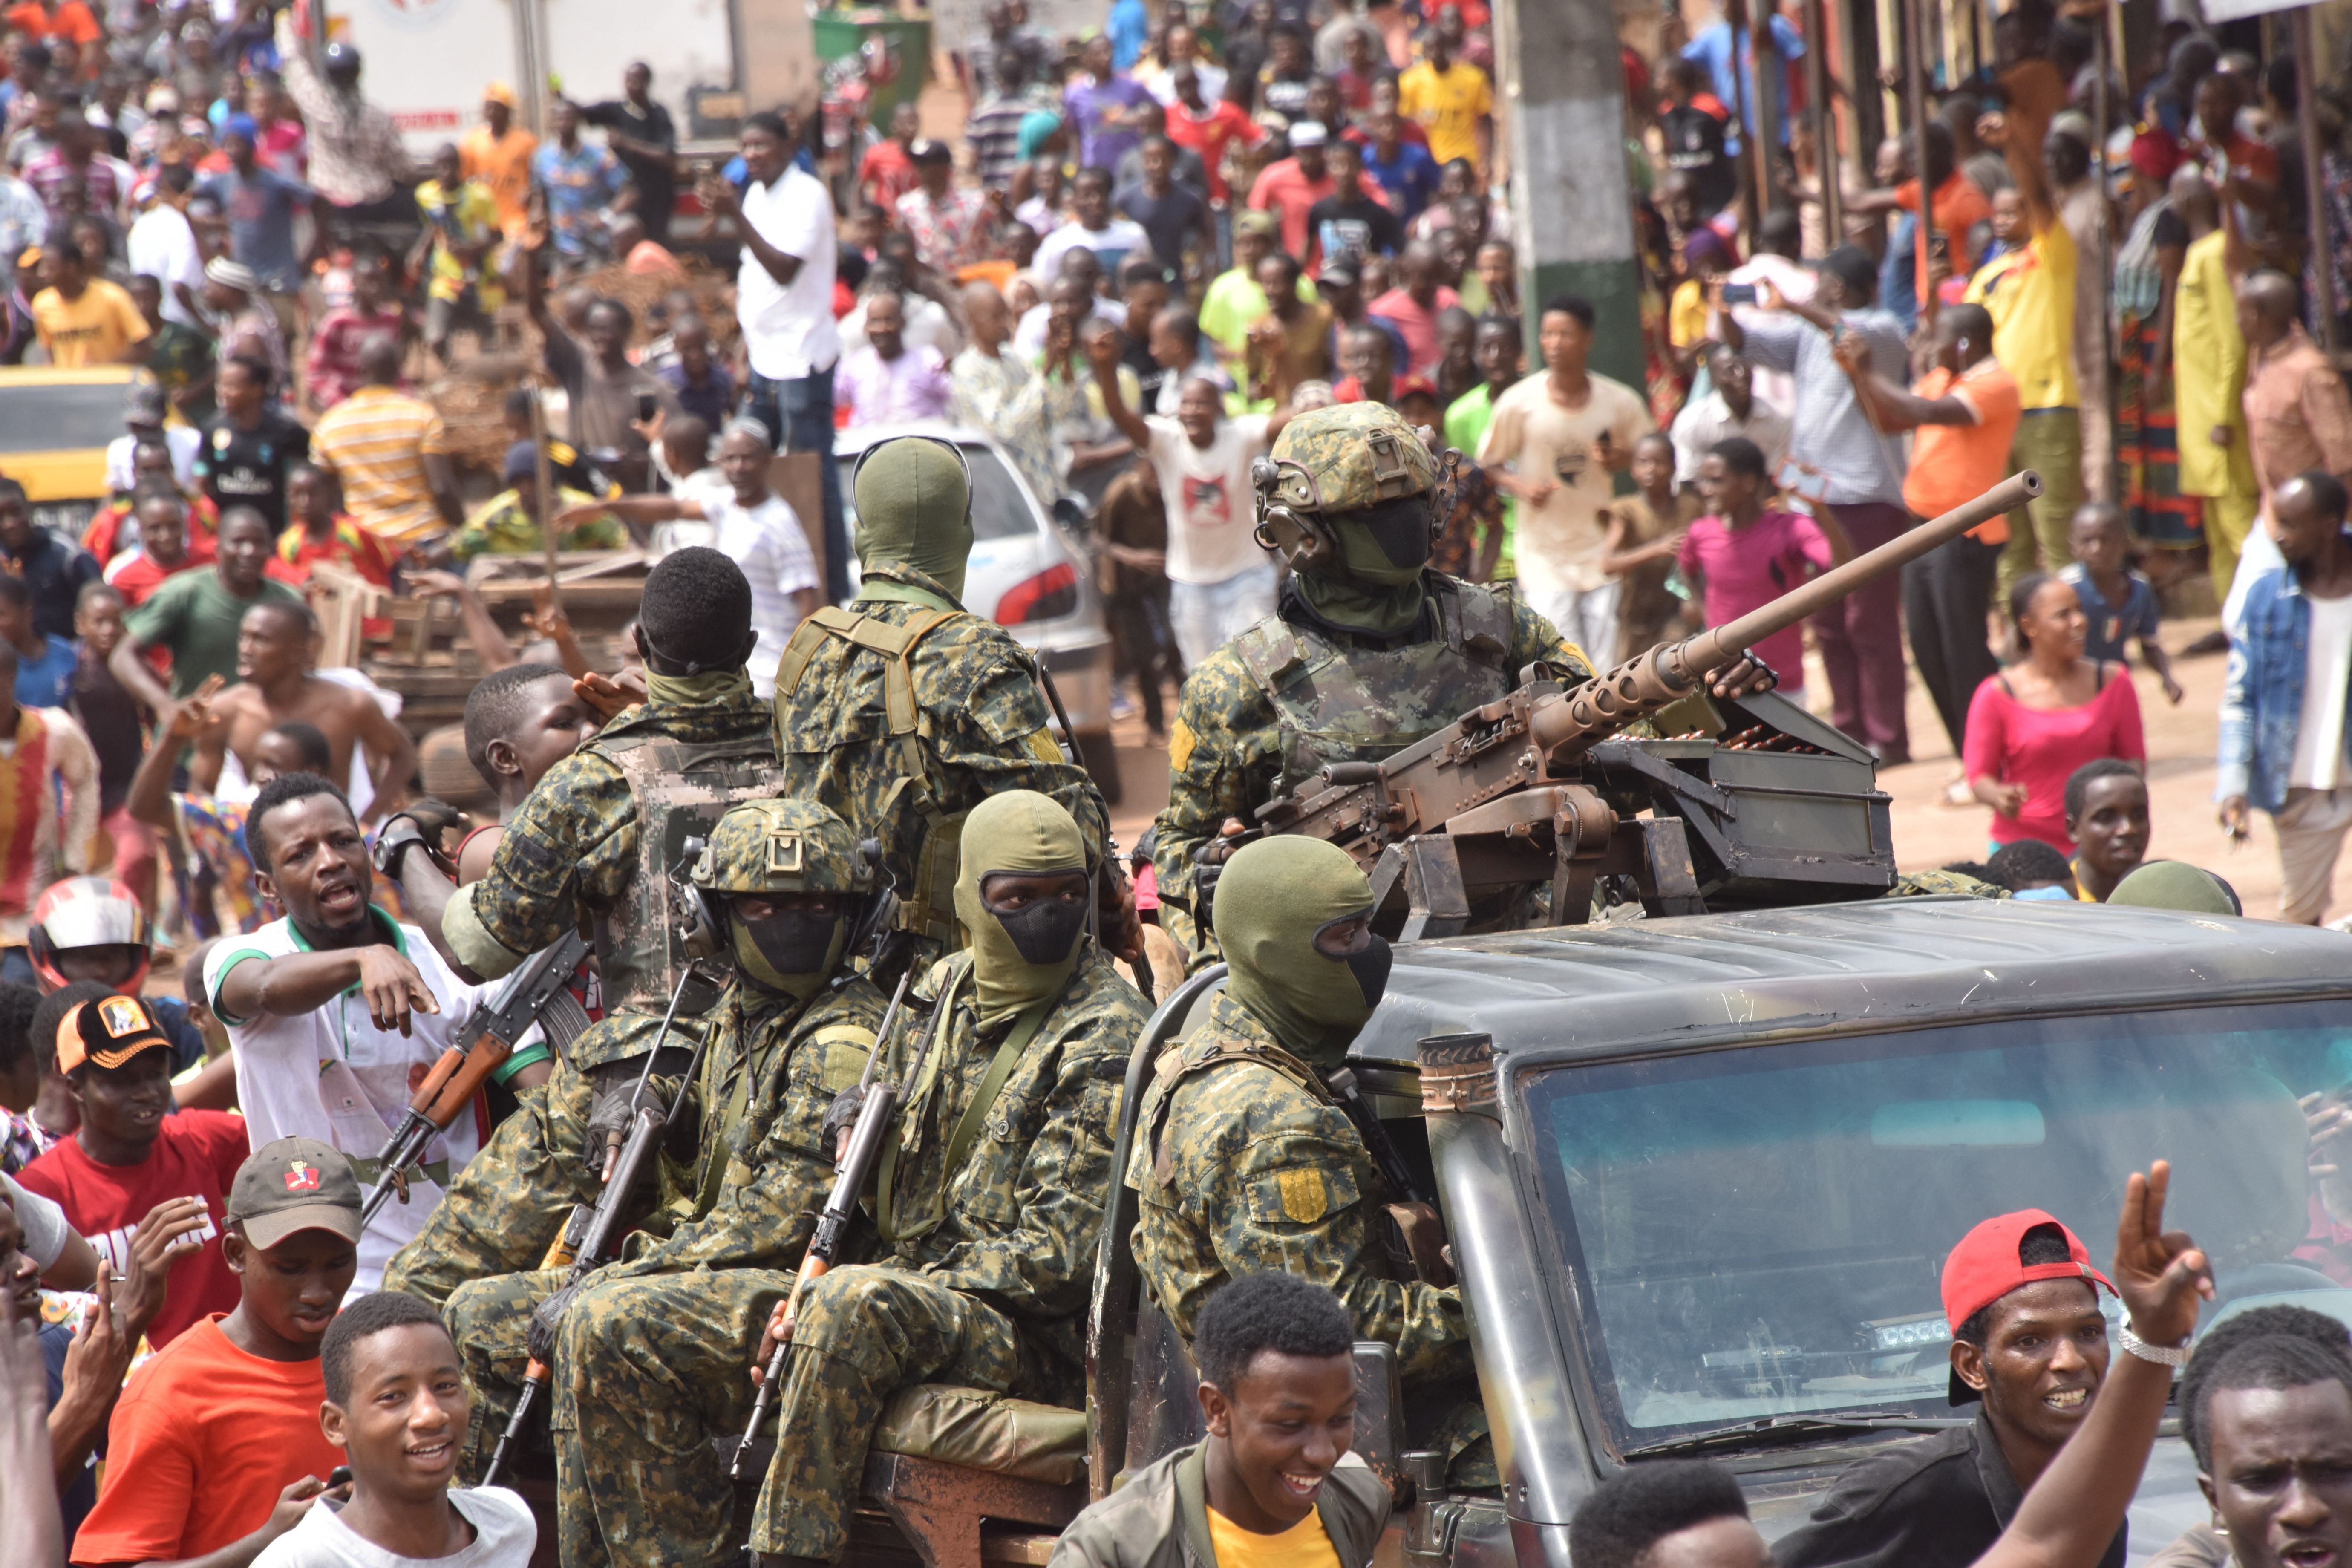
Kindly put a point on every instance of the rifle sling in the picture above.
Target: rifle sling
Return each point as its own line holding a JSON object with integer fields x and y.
{"x": 1025, "y": 1025}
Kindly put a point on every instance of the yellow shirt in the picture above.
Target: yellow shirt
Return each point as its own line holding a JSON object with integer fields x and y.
{"x": 2030, "y": 293}
{"x": 1686, "y": 318}
{"x": 2208, "y": 375}
{"x": 93, "y": 329}
{"x": 1304, "y": 1545}
{"x": 1448, "y": 105}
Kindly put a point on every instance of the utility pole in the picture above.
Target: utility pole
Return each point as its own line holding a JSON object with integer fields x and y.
{"x": 1561, "y": 92}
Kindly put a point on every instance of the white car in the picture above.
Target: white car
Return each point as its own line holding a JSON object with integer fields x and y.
{"x": 1029, "y": 573}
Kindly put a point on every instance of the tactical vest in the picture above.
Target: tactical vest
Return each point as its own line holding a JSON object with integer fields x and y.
{"x": 680, "y": 790}
{"x": 1342, "y": 703}
{"x": 929, "y": 909}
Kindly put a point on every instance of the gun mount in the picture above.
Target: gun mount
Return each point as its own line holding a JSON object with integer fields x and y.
{"x": 1751, "y": 800}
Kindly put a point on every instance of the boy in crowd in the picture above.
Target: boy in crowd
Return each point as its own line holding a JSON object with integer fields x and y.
{"x": 396, "y": 1405}
{"x": 2106, "y": 817}
{"x": 334, "y": 1008}
{"x": 1743, "y": 554}
{"x": 49, "y": 810}
{"x": 216, "y": 1446}
{"x": 111, "y": 719}
{"x": 1278, "y": 1393}
{"x": 2119, "y": 602}
{"x": 45, "y": 664}
{"x": 2032, "y": 869}
{"x": 1645, "y": 530}
{"x": 520, "y": 721}
{"x": 131, "y": 1164}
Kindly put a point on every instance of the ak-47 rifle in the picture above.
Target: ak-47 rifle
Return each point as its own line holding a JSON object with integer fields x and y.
{"x": 591, "y": 1232}
{"x": 529, "y": 995}
{"x": 877, "y": 1114}
{"x": 1536, "y": 785}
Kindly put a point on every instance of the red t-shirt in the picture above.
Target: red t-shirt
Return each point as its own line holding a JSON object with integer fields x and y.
{"x": 886, "y": 174}
{"x": 1747, "y": 568}
{"x": 2041, "y": 747}
{"x": 73, "y": 20}
{"x": 203, "y": 1440}
{"x": 1284, "y": 189}
{"x": 1211, "y": 134}
{"x": 350, "y": 546}
{"x": 195, "y": 1157}
{"x": 136, "y": 577}
{"x": 1418, "y": 325}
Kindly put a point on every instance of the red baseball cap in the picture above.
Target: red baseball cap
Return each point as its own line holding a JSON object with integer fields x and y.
{"x": 1985, "y": 1267}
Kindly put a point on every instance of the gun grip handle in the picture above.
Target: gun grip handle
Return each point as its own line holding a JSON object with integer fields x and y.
{"x": 488, "y": 1055}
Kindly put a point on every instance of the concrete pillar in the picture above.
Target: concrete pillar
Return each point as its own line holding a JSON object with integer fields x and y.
{"x": 1561, "y": 92}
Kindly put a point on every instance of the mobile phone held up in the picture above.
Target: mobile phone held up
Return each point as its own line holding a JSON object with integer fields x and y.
{"x": 1739, "y": 293}
{"x": 648, "y": 406}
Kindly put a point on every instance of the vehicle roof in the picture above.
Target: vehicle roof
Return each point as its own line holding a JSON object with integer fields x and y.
{"x": 1881, "y": 962}
{"x": 859, "y": 438}
{"x": 58, "y": 376}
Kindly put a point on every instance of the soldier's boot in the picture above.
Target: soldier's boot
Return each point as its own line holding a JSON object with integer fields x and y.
{"x": 863, "y": 1332}
{"x": 490, "y": 1320}
{"x": 649, "y": 1372}
{"x": 501, "y": 1211}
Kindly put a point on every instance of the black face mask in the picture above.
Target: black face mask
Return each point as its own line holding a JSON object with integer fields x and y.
{"x": 1043, "y": 931}
{"x": 1371, "y": 968}
{"x": 1400, "y": 531}
{"x": 794, "y": 943}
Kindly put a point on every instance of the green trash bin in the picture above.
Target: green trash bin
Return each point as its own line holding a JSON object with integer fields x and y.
{"x": 841, "y": 33}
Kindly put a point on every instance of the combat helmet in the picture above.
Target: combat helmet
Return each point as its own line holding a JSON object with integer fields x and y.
{"x": 1330, "y": 462}
{"x": 779, "y": 846}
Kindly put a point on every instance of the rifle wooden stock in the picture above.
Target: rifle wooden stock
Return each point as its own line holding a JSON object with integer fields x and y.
{"x": 1650, "y": 681}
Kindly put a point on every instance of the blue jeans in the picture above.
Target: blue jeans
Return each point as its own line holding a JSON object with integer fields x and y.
{"x": 800, "y": 411}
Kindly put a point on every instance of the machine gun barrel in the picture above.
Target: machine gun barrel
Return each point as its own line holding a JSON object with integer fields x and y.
{"x": 1650, "y": 681}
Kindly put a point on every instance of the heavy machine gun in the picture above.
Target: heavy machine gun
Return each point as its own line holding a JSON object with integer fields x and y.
{"x": 1751, "y": 800}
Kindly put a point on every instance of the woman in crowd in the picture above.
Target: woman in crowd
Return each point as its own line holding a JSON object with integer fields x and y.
{"x": 2032, "y": 724}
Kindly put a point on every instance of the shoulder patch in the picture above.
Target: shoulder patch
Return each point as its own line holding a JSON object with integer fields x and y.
{"x": 1304, "y": 1199}
{"x": 1180, "y": 741}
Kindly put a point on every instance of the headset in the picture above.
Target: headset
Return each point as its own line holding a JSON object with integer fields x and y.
{"x": 702, "y": 915}
{"x": 1289, "y": 503}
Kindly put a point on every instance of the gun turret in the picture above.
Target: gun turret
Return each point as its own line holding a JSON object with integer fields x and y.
{"x": 1753, "y": 800}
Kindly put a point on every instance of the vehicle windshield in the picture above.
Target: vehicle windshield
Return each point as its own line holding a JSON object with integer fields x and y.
{"x": 998, "y": 508}
{"x": 1761, "y": 1232}
{"x": 63, "y": 417}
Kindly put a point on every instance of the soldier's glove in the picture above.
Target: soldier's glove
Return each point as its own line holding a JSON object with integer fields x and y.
{"x": 612, "y": 1105}
{"x": 545, "y": 1319}
{"x": 839, "y": 1116}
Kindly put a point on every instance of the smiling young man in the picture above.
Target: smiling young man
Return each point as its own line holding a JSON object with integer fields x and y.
{"x": 215, "y": 1449}
{"x": 2030, "y": 1342}
{"x": 334, "y": 1008}
{"x": 396, "y": 1405}
{"x": 2106, "y": 817}
{"x": 131, "y": 1162}
{"x": 1273, "y": 1483}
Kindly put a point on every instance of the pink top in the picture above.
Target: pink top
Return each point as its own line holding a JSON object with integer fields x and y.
{"x": 2041, "y": 747}
{"x": 1747, "y": 568}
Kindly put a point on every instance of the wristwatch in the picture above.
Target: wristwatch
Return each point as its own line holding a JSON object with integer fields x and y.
{"x": 392, "y": 839}
{"x": 2163, "y": 1355}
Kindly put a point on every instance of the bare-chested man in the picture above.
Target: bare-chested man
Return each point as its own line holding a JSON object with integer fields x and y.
{"x": 273, "y": 656}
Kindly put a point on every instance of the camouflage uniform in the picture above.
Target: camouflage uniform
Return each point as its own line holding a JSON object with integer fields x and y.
{"x": 1294, "y": 692}
{"x": 1932, "y": 884}
{"x": 978, "y": 726}
{"x": 573, "y": 849}
{"x": 994, "y": 1296}
{"x": 773, "y": 1068}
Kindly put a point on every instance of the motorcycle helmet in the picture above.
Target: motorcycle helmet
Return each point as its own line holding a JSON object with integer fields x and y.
{"x": 88, "y": 912}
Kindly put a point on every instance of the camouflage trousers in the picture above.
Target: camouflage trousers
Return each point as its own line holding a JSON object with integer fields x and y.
{"x": 863, "y": 1332}
{"x": 490, "y": 1320}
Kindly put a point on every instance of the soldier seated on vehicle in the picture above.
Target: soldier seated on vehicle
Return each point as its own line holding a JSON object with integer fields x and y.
{"x": 1273, "y": 1481}
{"x": 2030, "y": 1342}
{"x": 989, "y": 1203}
{"x": 1368, "y": 650}
{"x": 905, "y": 711}
{"x": 1248, "y": 1161}
{"x": 588, "y": 840}
{"x": 786, "y": 885}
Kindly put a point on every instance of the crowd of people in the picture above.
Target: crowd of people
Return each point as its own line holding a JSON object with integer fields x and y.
{"x": 1238, "y": 284}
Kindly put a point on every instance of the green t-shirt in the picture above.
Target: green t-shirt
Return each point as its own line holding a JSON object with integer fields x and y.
{"x": 197, "y": 618}
{"x": 1234, "y": 301}
{"x": 1466, "y": 426}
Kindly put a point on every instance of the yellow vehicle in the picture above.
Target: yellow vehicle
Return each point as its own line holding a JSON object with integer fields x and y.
{"x": 54, "y": 425}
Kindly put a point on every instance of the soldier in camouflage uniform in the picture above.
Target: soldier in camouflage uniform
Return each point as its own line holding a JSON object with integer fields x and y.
{"x": 1244, "y": 1160}
{"x": 905, "y": 711}
{"x": 1368, "y": 651}
{"x": 989, "y": 1199}
{"x": 575, "y": 850}
{"x": 786, "y": 885}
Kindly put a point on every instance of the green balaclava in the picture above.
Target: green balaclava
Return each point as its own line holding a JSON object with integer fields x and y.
{"x": 1026, "y": 957}
{"x": 1364, "y": 472}
{"x": 2162, "y": 885}
{"x": 914, "y": 509}
{"x": 1273, "y": 898}
{"x": 780, "y": 847}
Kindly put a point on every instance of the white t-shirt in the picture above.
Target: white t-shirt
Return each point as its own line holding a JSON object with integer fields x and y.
{"x": 1111, "y": 243}
{"x": 1560, "y": 543}
{"x": 332, "y": 1074}
{"x": 1029, "y": 337}
{"x": 504, "y": 1536}
{"x": 181, "y": 440}
{"x": 1207, "y": 491}
{"x": 162, "y": 246}
{"x": 767, "y": 542}
{"x": 2326, "y": 670}
{"x": 787, "y": 330}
